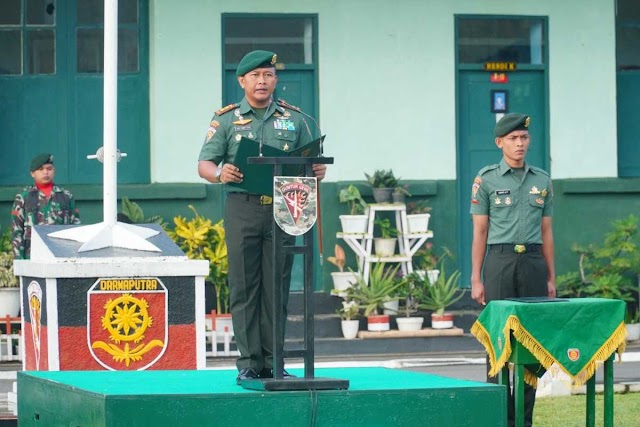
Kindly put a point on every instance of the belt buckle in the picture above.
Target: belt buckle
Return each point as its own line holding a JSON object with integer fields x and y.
{"x": 519, "y": 249}
{"x": 266, "y": 200}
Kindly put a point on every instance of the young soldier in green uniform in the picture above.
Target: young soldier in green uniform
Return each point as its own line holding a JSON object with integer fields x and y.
{"x": 249, "y": 217}
{"x": 41, "y": 203}
{"x": 511, "y": 206}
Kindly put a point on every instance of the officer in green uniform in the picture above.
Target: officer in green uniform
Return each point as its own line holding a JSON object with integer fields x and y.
{"x": 249, "y": 217}
{"x": 511, "y": 206}
{"x": 41, "y": 203}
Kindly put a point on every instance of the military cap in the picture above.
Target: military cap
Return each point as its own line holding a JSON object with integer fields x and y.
{"x": 256, "y": 59}
{"x": 39, "y": 160}
{"x": 511, "y": 122}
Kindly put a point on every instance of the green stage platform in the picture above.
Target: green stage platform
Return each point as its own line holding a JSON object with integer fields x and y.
{"x": 376, "y": 397}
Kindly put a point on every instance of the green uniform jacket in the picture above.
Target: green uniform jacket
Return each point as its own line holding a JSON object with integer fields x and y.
{"x": 515, "y": 207}
{"x": 31, "y": 207}
{"x": 282, "y": 127}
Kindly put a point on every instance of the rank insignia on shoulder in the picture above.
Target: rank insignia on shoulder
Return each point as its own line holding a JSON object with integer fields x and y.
{"x": 534, "y": 190}
{"x": 284, "y": 103}
{"x": 226, "y": 109}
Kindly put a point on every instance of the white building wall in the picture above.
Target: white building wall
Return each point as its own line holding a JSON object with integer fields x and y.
{"x": 387, "y": 82}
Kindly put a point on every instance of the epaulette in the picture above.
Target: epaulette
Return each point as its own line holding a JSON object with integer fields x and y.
{"x": 488, "y": 168}
{"x": 283, "y": 103}
{"x": 226, "y": 109}
{"x": 542, "y": 171}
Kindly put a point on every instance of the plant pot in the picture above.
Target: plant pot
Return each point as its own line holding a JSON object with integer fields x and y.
{"x": 442, "y": 322}
{"x": 433, "y": 276}
{"x": 418, "y": 223}
{"x": 342, "y": 280}
{"x": 354, "y": 224}
{"x": 222, "y": 323}
{"x": 9, "y": 301}
{"x": 378, "y": 322}
{"x": 398, "y": 197}
{"x": 385, "y": 247}
{"x": 391, "y": 307}
{"x": 633, "y": 331}
{"x": 382, "y": 195}
{"x": 350, "y": 328}
{"x": 409, "y": 323}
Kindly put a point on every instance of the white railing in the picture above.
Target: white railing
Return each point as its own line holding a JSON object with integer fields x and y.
{"x": 219, "y": 343}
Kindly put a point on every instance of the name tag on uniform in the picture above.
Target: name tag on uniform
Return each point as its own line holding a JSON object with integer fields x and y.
{"x": 284, "y": 124}
{"x": 503, "y": 192}
{"x": 241, "y": 128}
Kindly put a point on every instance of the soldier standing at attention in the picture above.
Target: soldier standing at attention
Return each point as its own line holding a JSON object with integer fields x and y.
{"x": 511, "y": 206}
{"x": 248, "y": 218}
{"x": 40, "y": 203}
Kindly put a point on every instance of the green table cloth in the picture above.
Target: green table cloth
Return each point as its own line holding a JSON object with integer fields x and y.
{"x": 575, "y": 333}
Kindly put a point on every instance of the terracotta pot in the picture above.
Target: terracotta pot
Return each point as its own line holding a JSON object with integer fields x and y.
{"x": 378, "y": 322}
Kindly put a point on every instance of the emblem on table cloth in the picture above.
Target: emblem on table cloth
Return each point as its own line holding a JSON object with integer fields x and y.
{"x": 34, "y": 293}
{"x": 573, "y": 354}
{"x": 295, "y": 206}
{"x": 127, "y": 322}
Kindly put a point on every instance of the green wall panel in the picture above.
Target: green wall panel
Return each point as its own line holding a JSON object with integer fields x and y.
{"x": 584, "y": 210}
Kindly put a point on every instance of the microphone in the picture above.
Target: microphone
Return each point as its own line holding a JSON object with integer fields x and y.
{"x": 284, "y": 103}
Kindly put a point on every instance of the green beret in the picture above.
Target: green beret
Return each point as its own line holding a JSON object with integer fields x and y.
{"x": 39, "y": 160}
{"x": 511, "y": 122}
{"x": 256, "y": 59}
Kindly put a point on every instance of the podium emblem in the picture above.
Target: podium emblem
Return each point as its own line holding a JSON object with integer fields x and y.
{"x": 127, "y": 326}
{"x": 34, "y": 293}
{"x": 295, "y": 203}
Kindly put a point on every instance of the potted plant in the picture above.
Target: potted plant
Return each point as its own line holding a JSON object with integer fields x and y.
{"x": 9, "y": 283}
{"x": 440, "y": 295}
{"x": 349, "y": 324}
{"x": 426, "y": 261}
{"x": 418, "y": 217}
{"x": 632, "y": 324}
{"x": 356, "y": 221}
{"x": 342, "y": 280}
{"x": 411, "y": 293}
{"x": 200, "y": 238}
{"x": 383, "y": 183}
{"x": 370, "y": 297}
{"x": 400, "y": 194}
{"x": 385, "y": 245}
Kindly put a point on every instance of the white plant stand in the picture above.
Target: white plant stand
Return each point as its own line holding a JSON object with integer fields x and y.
{"x": 408, "y": 243}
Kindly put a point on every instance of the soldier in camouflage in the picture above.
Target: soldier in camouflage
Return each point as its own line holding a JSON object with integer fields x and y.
{"x": 40, "y": 203}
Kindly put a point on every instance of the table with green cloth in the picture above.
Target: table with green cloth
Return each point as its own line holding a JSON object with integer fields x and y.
{"x": 577, "y": 334}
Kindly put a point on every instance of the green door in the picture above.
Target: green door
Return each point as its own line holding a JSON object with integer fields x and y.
{"x": 525, "y": 93}
{"x": 51, "y": 88}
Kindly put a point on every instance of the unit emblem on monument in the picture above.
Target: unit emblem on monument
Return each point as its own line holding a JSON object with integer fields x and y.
{"x": 127, "y": 322}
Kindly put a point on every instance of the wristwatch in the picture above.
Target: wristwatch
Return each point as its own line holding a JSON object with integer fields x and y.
{"x": 218, "y": 173}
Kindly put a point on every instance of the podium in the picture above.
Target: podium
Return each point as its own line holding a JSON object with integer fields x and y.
{"x": 544, "y": 331}
{"x": 309, "y": 381}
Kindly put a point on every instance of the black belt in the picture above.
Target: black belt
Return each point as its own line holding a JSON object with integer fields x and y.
{"x": 254, "y": 198}
{"x": 519, "y": 249}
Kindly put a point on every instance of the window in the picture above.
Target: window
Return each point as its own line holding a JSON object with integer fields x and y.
{"x": 628, "y": 34}
{"x": 90, "y": 35}
{"x": 518, "y": 40}
{"x": 291, "y": 37}
{"x": 27, "y": 37}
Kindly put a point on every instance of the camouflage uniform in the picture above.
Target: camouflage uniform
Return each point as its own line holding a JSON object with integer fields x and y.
{"x": 31, "y": 207}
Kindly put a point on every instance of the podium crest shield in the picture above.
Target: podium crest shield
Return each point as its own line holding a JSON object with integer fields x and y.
{"x": 295, "y": 203}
